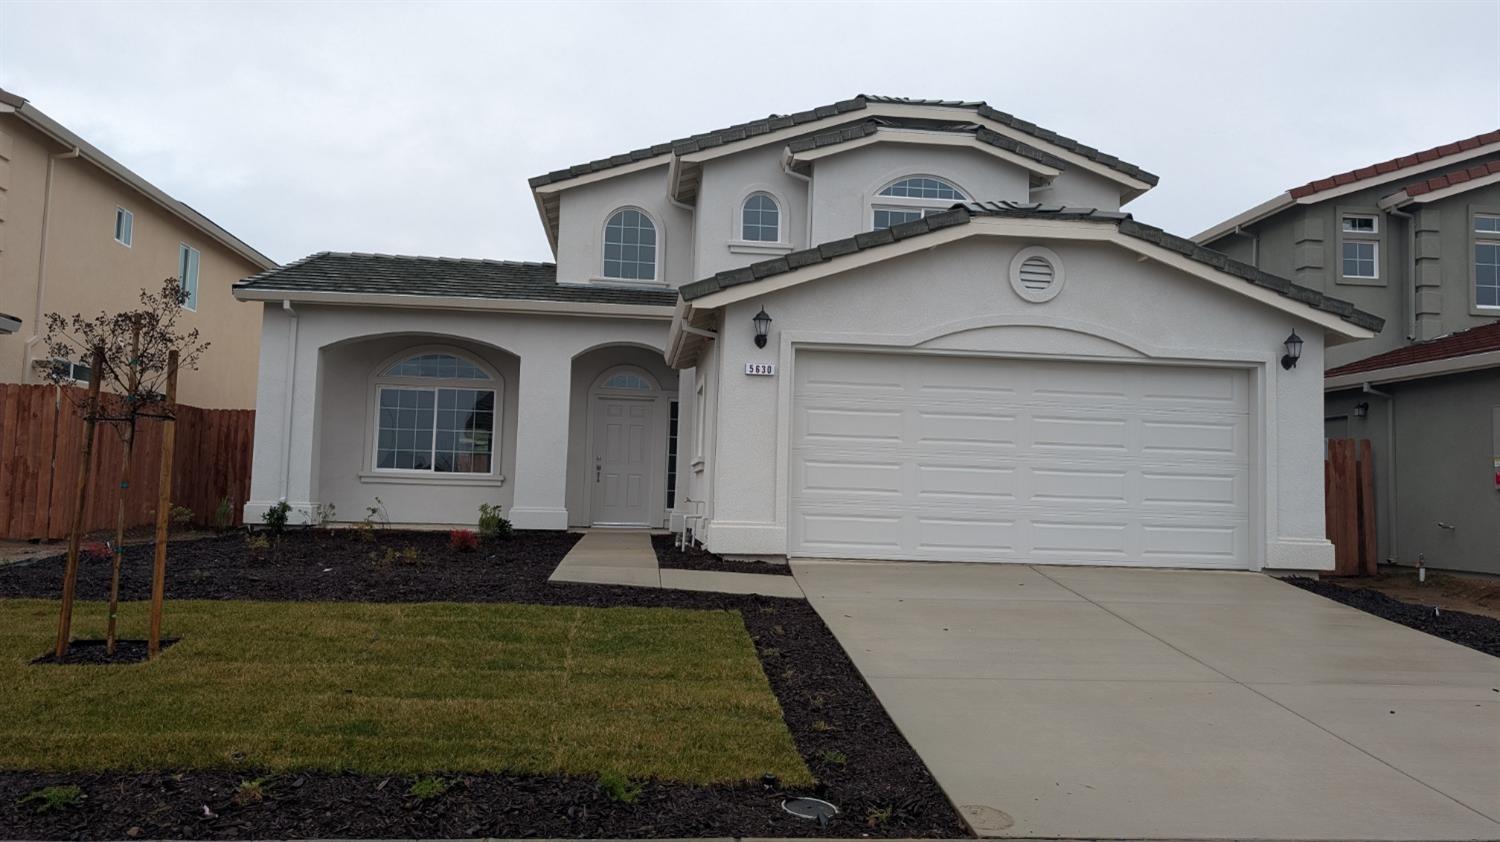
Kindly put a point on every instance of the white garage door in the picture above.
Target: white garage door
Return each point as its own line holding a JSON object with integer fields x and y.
{"x": 969, "y": 459}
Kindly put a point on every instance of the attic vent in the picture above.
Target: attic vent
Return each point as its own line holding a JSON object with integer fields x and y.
{"x": 1036, "y": 274}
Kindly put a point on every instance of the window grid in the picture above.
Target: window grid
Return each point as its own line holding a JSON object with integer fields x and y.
{"x": 1360, "y": 225}
{"x": 77, "y": 372}
{"x": 888, "y": 217}
{"x": 672, "y": 455}
{"x": 443, "y": 430}
{"x": 923, "y": 187}
{"x": 445, "y": 366}
{"x": 187, "y": 274}
{"x": 761, "y": 220}
{"x": 1487, "y": 224}
{"x": 124, "y": 226}
{"x": 1487, "y": 273}
{"x": 630, "y": 246}
{"x": 1360, "y": 258}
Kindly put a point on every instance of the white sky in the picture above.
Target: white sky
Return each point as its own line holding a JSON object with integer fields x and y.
{"x": 412, "y": 129}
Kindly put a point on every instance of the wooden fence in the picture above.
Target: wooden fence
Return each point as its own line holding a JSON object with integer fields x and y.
{"x": 1349, "y": 505}
{"x": 41, "y": 441}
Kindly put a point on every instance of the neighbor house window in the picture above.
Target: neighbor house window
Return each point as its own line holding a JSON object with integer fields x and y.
{"x": 69, "y": 370}
{"x": 124, "y": 226}
{"x": 1359, "y": 246}
{"x": 187, "y": 274}
{"x": 1487, "y": 261}
{"x": 672, "y": 455}
{"x": 912, "y": 198}
{"x": 435, "y": 413}
{"x": 761, "y": 220}
{"x": 630, "y": 246}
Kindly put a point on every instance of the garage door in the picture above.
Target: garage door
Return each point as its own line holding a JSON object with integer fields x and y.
{"x": 969, "y": 459}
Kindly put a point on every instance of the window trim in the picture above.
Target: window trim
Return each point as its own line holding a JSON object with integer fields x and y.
{"x": 73, "y": 367}
{"x": 1476, "y": 237}
{"x": 1375, "y": 237}
{"x": 378, "y": 380}
{"x": 739, "y": 231}
{"x": 183, "y": 250}
{"x": 877, "y": 202}
{"x": 129, "y": 227}
{"x": 660, "y": 248}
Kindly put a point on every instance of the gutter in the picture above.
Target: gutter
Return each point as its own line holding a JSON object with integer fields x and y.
{"x": 41, "y": 260}
{"x": 662, "y": 312}
{"x": 786, "y": 167}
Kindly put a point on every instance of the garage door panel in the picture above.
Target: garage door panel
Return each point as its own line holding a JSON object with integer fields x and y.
{"x": 1079, "y": 433}
{"x": 976, "y": 537}
{"x": 1196, "y": 491}
{"x": 991, "y": 431}
{"x": 850, "y": 531}
{"x": 829, "y": 425}
{"x": 1172, "y": 543}
{"x": 1225, "y": 437}
{"x": 937, "y": 483}
{"x": 846, "y": 476}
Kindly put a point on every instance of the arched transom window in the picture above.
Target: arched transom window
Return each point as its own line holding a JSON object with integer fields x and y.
{"x": 435, "y": 412}
{"x": 630, "y": 246}
{"x": 913, "y": 197}
{"x": 760, "y": 220}
{"x": 627, "y": 380}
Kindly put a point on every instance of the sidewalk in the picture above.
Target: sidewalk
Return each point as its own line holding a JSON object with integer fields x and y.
{"x": 625, "y": 557}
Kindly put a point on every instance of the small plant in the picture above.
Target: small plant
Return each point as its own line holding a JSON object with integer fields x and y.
{"x": 53, "y": 798}
{"x": 409, "y": 555}
{"x": 181, "y": 515}
{"x": 618, "y": 788}
{"x": 492, "y": 526}
{"x": 822, "y": 726}
{"x": 324, "y": 514}
{"x": 257, "y": 544}
{"x": 463, "y": 540}
{"x": 275, "y": 517}
{"x": 833, "y": 757}
{"x": 95, "y": 551}
{"x": 426, "y": 789}
{"x": 249, "y": 792}
{"x": 375, "y": 518}
{"x": 223, "y": 515}
{"x": 879, "y": 816}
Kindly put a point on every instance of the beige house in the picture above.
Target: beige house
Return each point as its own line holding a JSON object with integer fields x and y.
{"x": 81, "y": 233}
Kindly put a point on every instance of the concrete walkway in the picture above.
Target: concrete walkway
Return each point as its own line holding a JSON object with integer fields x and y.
{"x": 625, "y": 557}
{"x": 1145, "y": 704}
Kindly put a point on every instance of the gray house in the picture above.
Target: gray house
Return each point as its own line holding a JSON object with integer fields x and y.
{"x": 1415, "y": 240}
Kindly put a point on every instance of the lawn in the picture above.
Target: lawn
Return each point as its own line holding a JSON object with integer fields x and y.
{"x": 669, "y": 694}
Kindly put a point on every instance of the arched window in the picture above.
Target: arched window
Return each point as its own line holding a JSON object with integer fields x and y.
{"x": 627, "y": 380}
{"x": 760, "y": 220}
{"x": 913, "y": 197}
{"x": 435, "y": 412}
{"x": 630, "y": 246}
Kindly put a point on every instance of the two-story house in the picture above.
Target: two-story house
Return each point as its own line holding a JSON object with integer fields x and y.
{"x": 1416, "y": 241}
{"x": 81, "y": 233}
{"x": 882, "y": 328}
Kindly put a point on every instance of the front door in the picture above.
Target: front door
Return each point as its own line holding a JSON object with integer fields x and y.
{"x": 624, "y": 464}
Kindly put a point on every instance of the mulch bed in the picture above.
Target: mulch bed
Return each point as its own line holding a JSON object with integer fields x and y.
{"x": 95, "y": 652}
{"x": 1471, "y": 630}
{"x": 697, "y": 558}
{"x": 881, "y": 785}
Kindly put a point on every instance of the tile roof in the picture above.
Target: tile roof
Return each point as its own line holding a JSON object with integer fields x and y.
{"x": 386, "y": 274}
{"x": 962, "y": 214}
{"x": 861, "y": 130}
{"x": 777, "y": 122}
{"x": 1402, "y": 162}
{"x": 1475, "y": 340}
{"x": 1452, "y": 178}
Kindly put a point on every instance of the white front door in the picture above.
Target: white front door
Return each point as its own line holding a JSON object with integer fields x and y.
{"x": 624, "y": 469}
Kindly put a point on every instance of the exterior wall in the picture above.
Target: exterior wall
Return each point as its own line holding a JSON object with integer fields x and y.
{"x": 584, "y": 210}
{"x": 1080, "y": 188}
{"x": 884, "y": 305}
{"x": 722, "y": 190}
{"x": 86, "y": 270}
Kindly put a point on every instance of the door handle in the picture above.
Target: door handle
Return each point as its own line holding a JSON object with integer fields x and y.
{"x": 597, "y": 469}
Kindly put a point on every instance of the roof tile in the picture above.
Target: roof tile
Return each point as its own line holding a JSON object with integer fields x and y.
{"x": 1477, "y": 340}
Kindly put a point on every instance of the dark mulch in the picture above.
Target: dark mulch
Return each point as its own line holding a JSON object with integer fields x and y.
{"x": 830, "y": 711}
{"x": 1471, "y": 630}
{"x": 94, "y": 652}
{"x": 697, "y": 558}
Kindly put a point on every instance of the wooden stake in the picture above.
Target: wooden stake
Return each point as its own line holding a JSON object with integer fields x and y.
{"x": 163, "y": 506}
{"x": 80, "y": 499}
{"x": 132, "y": 390}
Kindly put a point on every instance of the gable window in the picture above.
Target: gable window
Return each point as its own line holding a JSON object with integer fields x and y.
{"x": 435, "y": 412}
{"x": 912, "y": 198}
{"x": 630, "y": 246}
{"x": 1487, "y": 261}
{"x": 760, "y": 220}
{"x": 124, "y": 227}
{"x": 187, "y": 274}
{"x": 1359, "y": 246}
{"x": 69, "y": 370}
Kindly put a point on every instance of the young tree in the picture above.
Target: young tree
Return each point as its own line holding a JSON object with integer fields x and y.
{"x": 132, "y": 352}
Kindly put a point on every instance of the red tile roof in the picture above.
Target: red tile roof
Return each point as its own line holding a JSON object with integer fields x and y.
{"x": 1475, "y": 340}
{"x": 1386, "y": 167}
{"x": 1452, "y": 178}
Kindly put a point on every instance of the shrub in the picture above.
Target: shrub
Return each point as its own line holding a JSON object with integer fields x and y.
{"x": 833, "y": 757}
{"x": 249, "y": 792}
{"x": 375, "y": 518}
{"x": 463, "y": 540}
{"x": 492, "y": 526}
{"x": 52, "y": 798}
{"x": 618, "y": 788}
{"x": 181, "y": 515}
{"x": 257, "y": 544}
{"x": 879, "y": 816}
{"x": 426, "y": 789}
{"x": 223, "y": 515}
{"x": 95, "y": 551}
{"x": 324, "y": 513}
{"x": 275, "y": 517}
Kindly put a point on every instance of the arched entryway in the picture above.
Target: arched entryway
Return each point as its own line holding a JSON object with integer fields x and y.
{"x": 621, "y": 468}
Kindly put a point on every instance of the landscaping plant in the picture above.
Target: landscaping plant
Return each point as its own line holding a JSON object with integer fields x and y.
{"x": 492, "y": 526}
{"x": 53, "y": 798}
{"x": 618, "y": 788}
{"x": 275, "y": 518}
{"x": 463, "y": 540}
{"x": 224, "y": 515}
{"x": 426, "y": 789}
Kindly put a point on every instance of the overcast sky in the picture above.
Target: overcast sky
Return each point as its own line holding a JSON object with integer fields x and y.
{"x": 412, "y": 129}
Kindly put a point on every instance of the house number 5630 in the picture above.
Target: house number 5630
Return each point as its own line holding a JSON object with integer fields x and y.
{"x": 761, "y": 369}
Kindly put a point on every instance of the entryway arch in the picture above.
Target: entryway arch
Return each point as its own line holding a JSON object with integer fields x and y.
{"x": 620, "y": 468}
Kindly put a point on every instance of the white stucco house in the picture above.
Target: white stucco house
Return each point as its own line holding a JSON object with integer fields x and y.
{"x": 964, "y": 351}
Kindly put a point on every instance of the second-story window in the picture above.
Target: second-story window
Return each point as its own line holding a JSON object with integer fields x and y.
{"x": 761, "y": 220}
{"x": 124, "y": 226}
{"x": 1487, "y": 261}
{"x": 913, "y": 197}
{"x": 630, "y": 246}
{"x": 1359, "y": 249}
{"x": 187, "y": 274}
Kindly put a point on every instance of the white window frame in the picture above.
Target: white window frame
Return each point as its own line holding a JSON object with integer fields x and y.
{"x": 189, "y": 258}
{"x": 1348, "y": 235}
{"x": 1480, "y": 238}
{"x": 72, "y": 370}
{"x": 128, "y": 218}
{"x": 927, "y": 207}
{"x": 495, "y": 385}
{"x": 1374, "y": 259}
{"x": 1374, "y": 224}
{"x": 780, "y": 220}
{"x": 659, "y": 247}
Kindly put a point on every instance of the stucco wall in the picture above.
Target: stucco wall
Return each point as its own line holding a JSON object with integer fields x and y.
{"x": 726, "y": 183}
{"x": 584, "y": 211}
{"x": 1112, "y": 307}
{"x": 86, "y": 270}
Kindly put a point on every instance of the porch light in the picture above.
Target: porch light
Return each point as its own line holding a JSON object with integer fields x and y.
{"x": 762, "y": 327}
{"x": 1293, "y": 351}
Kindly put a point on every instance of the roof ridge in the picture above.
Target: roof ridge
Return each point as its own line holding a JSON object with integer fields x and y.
{"x": 427, "y": 257}
{"x": 1390, "y": 165}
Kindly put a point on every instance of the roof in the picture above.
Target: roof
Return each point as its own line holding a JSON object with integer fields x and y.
{"x": 22, "y": 108}
{"x": 962, "y": 214}
{"x": 1477, "y": 340}
{"x": 866, "y": 128}
{"x": 1452, "y": 179}
{"x": 387, "y": 274}
{"x": 1394, "y": 164}
{"x": 777, "y": 122}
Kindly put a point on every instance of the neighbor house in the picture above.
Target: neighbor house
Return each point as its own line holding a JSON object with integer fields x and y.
{"x": 882, "y": 328}
{"x": 1416, "y": 241}
{"x": 80, "y": 233}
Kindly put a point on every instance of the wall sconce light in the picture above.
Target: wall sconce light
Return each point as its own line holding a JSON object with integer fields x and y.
{"x": 1293, "y": 351}
{"x": 1361, "y": 409}
{"x": 762, "y": 327}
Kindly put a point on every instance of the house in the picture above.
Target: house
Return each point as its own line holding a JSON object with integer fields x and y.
{"x": 81, "y": 233}
{"x": 1416, "y": 241}
{"x": 882, "y": 328}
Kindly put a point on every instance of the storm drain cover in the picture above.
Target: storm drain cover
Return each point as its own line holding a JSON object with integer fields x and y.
{"x": 815, "y": 809}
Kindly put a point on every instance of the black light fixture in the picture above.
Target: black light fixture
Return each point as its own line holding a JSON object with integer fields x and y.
{"x": 1361, "y": 409}
{"x": 1293, "y": 351}
{"x": 762, "y": 327}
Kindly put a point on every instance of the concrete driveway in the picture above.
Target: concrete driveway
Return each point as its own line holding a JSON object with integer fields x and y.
{"x": 1107, "y": 703}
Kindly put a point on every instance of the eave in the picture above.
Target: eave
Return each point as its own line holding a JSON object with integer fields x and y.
{"x": 442, "y": 302}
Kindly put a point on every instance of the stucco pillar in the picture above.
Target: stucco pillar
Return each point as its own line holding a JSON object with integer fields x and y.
{"x": 542, "y": 441}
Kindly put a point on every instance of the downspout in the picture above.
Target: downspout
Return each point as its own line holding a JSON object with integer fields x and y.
{"x": 41, "y": 261}
{"x": 1390, "y": 470}
{"x": 1254, "y": 244}
{"x": 286, "y": 404}
{"x": 692, "y": 246}
{"x": 1411, "y": 270}
{"x": 786, "y": 167}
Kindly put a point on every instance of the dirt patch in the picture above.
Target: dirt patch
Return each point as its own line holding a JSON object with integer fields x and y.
{"x": 96, "y": 652}
{"x": 1455, "y": 591}
{"x": 697, "y": 558}
{"x": 1471, "y": 630}
{"x": 862, "y": 762}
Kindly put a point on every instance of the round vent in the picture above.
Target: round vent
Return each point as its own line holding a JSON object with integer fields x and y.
{"x": 1036, "y": 274}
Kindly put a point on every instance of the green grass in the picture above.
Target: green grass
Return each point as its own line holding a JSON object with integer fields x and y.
{"x": 400, "y": 689}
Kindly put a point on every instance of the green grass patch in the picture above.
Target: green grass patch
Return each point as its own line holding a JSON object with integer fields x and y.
{"x": 401, "y": 689}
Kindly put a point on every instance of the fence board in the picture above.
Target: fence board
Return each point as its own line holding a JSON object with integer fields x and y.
{"x": 1349, "y": 500}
